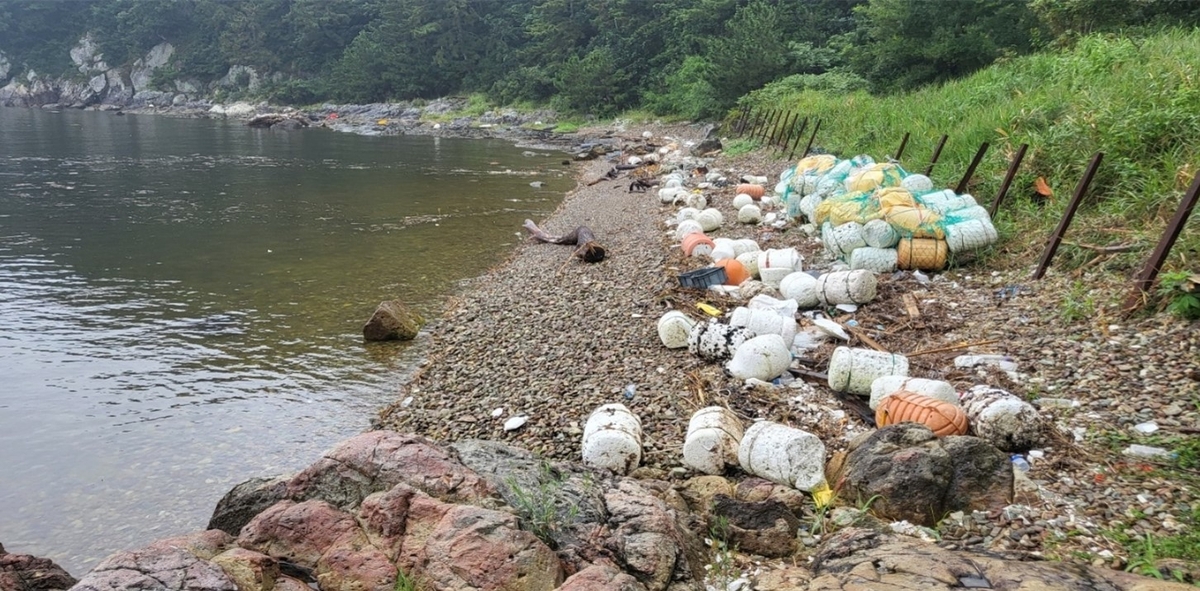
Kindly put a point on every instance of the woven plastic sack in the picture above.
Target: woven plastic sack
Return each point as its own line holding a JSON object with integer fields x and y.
{"x": 894, "y": 196}
{"x": 877, "y": 175}
{"x": 858, "y": 207}
{"x": 944, "y": 201}
{"x": 916, "y": 222}
{"x": 917, "y": 184}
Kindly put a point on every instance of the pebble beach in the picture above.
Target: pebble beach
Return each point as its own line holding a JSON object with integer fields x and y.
{"x": 547, "y": 337}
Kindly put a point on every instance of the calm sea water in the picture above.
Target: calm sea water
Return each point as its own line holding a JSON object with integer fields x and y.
{"x": 181, "y": 304}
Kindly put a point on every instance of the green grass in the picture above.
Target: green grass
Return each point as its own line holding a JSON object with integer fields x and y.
{"x": 567, "y": 127}
{"x": 405, "y": 582}
{"x": 1135, "y": 100}
{"x": 538, "y": 505}
{"x": 740, "y": 146}
{"x": 1145, "y": 552}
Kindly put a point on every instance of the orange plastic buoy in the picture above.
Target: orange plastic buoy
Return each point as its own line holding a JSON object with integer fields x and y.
{"x": 754, "y": 191}
{"x": 926, "y": 254}
{"x": 735, "y": 272}
{"x": 942, "y": 417}
{"x": 697, "y": 244}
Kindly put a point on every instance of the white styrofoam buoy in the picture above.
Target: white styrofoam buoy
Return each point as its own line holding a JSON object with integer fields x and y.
{"x": 749, "y": 214}
{"x": 667, "y": 195}
{"x": 887, "y": 385}
{"x": 674, "y": 328}
{"x": 970, "y": 235}
{"x": 710, "y": 219}
{"x": 841, "y": 240}
{"x": 875, "y": 260}
{"x": 742, "y": 200}
{"x": 783, "y": 455}
{"x": 801, "y": 287}
{"x": 696, "y": 200}
{"x": 687, "y": 213}
{"x": 761, "y": 322}
{"x": 713, "y": 341}
{"x": 749, "y": 260}
{"x": 846, "y": 287}
{"x": 673, "y": 183}
{"x": 687, "y": 227}
{"x": 713, "y": 435}
{"x": 880, "y": 234}
{"x": 763, "y": 357}
{"x": 780, "y": 258}
{"x": 612, "y": 439}
{"x": 808, "y": 205}
{"x": 941, "y": 202}
{"x": 917, "y": 184}
{"x": 1002, "y": 419}
{"x": 745, "y": 245}
{"x": 854, "y": 370}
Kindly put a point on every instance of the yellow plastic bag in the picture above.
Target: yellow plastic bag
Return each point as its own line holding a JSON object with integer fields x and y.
{"x": 893, "y": 197}
{"x": 916, "y": 222}
{"x": 818, "y": 164}
{"x": 877, "y": 175}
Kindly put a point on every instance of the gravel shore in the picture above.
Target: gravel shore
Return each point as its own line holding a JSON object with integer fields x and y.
{"x": 551, "y": 338}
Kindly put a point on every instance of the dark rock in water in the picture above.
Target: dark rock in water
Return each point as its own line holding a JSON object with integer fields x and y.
{"x": 919, "y": 477}
{"x": 393, "y": 321}
{"x": 767, "y": 528}
{"x": 245, "y": 501}
{"x": 290, "y": 123}
{"x": 22, "y": 572}
{"x": 706, "y": 146}
{"x": 277, "y": 121}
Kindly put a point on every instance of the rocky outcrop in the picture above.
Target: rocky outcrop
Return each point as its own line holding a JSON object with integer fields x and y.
{"x": 23, "y": 572}
{"x": 912, "y": 475}
{"x": 176, "y": 563}
{"x": 857, "y": 558}
{"x": 766, "y": 528}
{"x": 392, "y": 320}
{"x": 246, "y": 500}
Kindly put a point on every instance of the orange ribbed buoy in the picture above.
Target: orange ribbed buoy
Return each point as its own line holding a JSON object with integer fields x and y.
{"x": 754, "y": 191}
{"x": 942, "y": 417}
{"x": 695, "y": 244}
{"x": 735, "y": 272}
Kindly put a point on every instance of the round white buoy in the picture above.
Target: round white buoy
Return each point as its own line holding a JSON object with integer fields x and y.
{"x": 713, "y": 435}
{"x": 887, "y": 385}
{"x": 713, "y": 341}
{"x": 749, "y": 260}
{"x": 687, "y": 227}
{"x": 709, "y": 219}
{"x": 687, "y": 213}
{"x": 762, "y": 322}
{"x": 854, "y": 370}
{"x": 801, "y": 287}
{"x": 764, "y": 357}
{"x": 674, "y": 328}
{"x": 750, "y": 214}
{"x": 745, "y": 245}
{"x": 696, "y": 200}
{"x": 612, "y": 439}
{"x": 783, "y": 455}
{"x": 742, "y": 200}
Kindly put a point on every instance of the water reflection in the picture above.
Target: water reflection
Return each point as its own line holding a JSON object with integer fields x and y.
{"x": 180, "y": 304}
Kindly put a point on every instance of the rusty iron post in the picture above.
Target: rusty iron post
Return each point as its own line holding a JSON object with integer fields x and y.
{"x": 962, "y": 184}
{"x": 1065, "y": 222}
{"x": 900, "y": 150}
{"x": 1008, "y": 178}
{"x": 812, "y": 138}
{"x": 740, "y": 126}
{"x": 799, "y": 136}
{"x": 770, "y": 125}
{"x": 757, "y": 121}
{"x": 1149, "y": 273}
{"x": 788, "y": 119}
{"x": 937, "y": 153}
{"x": 785, "y": 139}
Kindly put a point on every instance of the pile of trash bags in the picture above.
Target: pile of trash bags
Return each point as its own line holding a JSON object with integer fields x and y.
{"x": 880, "y": 217}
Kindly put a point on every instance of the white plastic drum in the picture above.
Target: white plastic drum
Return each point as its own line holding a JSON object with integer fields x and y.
{"x": 875, "y": 260}
{"x": 713, "y": 436}
{"x": 854, "y": 370}
{"x": 612, "y": 439}
{"x": 783, "y": 455}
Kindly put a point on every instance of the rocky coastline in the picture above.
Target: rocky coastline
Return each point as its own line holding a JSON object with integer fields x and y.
{"x": 441, "y": 481}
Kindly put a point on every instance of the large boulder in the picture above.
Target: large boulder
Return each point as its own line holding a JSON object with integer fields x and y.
{"x": 910, "y": 474}
{"x": 476, "y": 548}
{"x": 297, "y": 532}
{"x": 156, "y": 567}
{"x": 601, "y": 577}
{"x": 143, "y": 69}
{"x": 378, "y": 460}
{"x": 767, "y": 528}
{"x": 856, "y": 558}
{"x": 245, "y": 501}
{"x": 649, "y": 541}
{"x": 393, "y": 321}
{"x": 23, "y": 572}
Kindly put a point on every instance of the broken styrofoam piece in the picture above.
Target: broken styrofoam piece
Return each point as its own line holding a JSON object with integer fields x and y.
{"x": 713, "y": 341}
{"x": 749, "y": 260}
{"x": 783, "y": 455}
{"x": 713, "y": 436}
{"x": 612, "y": 439}
{"x": 784, "y": 307}
{"x": 668, "y": 194}
{"x": 800, "y": 287}
{"x": 1002, "y": 362}
{"x": 763, "y": 357}
{"x": 773, "y": 277}
{"x": 887, "y": 385}
{"x": 846, "y": 287}
{"x": 830, "y": 328}
{"x": 514, "y": 423}
{"x": 674, "y": 328}
{"x": 1004, "y": 420}
{"x": 854, "y": 370}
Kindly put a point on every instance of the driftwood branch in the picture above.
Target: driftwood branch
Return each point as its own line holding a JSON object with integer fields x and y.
{"x": 952, "y": 348}
{"x": 581, "y": 238}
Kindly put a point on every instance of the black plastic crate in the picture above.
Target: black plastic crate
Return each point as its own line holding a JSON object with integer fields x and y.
{"x": 702, "y": 278}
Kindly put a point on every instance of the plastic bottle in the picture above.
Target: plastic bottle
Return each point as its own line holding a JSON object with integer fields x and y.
{"x": 1019, "y": 462}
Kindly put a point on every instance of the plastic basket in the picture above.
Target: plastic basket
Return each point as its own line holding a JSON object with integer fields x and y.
{"x": 702, "y": 278}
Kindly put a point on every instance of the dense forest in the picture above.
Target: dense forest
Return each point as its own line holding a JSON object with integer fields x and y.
{"x": 689, "y": 58}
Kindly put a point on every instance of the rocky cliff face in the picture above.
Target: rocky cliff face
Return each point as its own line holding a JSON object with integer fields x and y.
{"x": 99, "y": 84}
